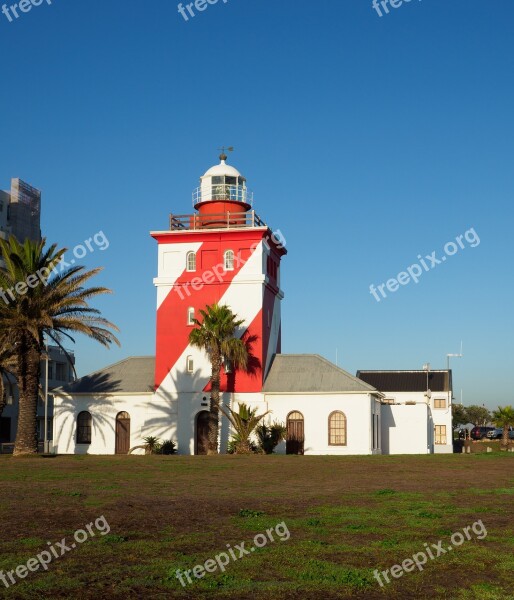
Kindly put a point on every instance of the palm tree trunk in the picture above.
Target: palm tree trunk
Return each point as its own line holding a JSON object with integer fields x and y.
{"x": 29, "y": 357}
{"x": 214, "y": 409}
{"x": 505, "y": 436}
{"x": 3, "y": 399}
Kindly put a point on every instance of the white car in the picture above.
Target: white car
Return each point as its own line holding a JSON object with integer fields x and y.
{"x": 497, "y": 434}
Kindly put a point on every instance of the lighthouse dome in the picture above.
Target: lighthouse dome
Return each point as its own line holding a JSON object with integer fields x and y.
{"x": 223, "y": 183}
{"x": 222, "y": 169}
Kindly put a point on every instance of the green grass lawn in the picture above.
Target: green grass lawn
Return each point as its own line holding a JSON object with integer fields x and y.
{"x": 346, "y": 517}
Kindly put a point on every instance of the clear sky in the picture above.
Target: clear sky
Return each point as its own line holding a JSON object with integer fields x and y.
{"x": 367, "y": 140}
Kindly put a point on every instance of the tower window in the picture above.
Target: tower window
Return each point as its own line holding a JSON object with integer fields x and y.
{"x": 229, "y": 260}
{"x": 190, "y": 364}
{"x": 190, "y": 316}
{"x": 191, "y": 261}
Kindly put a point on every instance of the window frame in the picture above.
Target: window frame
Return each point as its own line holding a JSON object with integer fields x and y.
{"x": 440, "y": 435}
{"x": 83, "y": 430}
{"x": 191, "y": 264}
{"x": 60, "y": 371}
{"x": 228, "y": 260}
{"x": 331, "y": 428}
{"x": 190, "y": 316}
{"x": 443, "y": 400}
{"x": 190, "y": 362}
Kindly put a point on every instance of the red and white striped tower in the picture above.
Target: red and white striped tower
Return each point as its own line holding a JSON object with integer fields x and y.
{"x": 222, "y": 253}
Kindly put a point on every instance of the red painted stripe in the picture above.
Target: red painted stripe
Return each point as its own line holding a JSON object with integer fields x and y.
{"x": 172, "y": 330}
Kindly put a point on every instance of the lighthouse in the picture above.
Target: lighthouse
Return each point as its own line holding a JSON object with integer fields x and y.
{"x": 224, "y": 253}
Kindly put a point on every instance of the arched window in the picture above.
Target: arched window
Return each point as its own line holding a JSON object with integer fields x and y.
{"x": 337, "y": 429}
{"x": 84, "y": 427}
{"x": 229, "y": 260}
{"x": 191, "y": 261}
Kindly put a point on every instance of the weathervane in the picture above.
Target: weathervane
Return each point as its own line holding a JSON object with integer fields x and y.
{"x": 223, "y": 156}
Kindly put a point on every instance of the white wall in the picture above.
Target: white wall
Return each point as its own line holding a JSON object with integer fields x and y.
{"x": 440, "y": 416}
{"x": 148, "y": 416}
{"x": 316, "y": 409}
{"x": 406, "y": 429}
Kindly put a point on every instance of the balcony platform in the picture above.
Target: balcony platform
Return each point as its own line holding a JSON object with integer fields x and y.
{"x": 224, "y": 220}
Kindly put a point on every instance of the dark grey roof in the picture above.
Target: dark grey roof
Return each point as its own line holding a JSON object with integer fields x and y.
{"x": 408, "y": 381}
{"x": 132, "y": 375}
{"x": 297, "y": 373}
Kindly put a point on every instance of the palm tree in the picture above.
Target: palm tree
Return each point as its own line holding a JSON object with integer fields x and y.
{"x": 216, "y": 334}
{"x": 504, "y": 417}
{"x": 244, "y": 421}
{"x": 37, "y": 302}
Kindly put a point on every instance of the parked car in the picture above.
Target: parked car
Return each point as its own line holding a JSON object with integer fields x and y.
{"x": 480, "y": 433}
{"x": 497, "y": 434}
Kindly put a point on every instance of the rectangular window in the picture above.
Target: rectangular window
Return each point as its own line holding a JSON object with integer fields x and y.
{"x": 60, "y": 371}
{"x": 84, "y": 427}
{"x": 440, "y": 434}
{"x": 189, "y": 364}
{"x": 439, "y": 402}
{"x": 190, "y": 315}
{"x": 50, "y": 370}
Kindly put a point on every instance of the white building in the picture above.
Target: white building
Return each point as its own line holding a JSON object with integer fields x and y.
{"x": 429, "y": 389}
{"x": 225, "y": 253}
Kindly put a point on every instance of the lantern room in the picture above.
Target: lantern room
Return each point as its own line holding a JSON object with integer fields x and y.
{"x": 222, "y": 189}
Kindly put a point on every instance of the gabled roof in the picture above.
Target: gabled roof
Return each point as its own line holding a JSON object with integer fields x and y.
{"x": 408, "y": 381}
{"x": 310, "y": 373}
{"x": 130, "y": 376}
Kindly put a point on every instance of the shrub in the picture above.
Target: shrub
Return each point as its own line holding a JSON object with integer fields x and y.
{"x": 152, "y": 444}
{"x": 168, "y": 447}
{"x": 269, "y": 436}
{"x": 235, "y": 446}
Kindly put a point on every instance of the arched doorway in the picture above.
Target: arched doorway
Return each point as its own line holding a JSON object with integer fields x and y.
{"x": 295, "y": 434}
{"x": 122, "y": 433}
{"x": 202, "y": 432}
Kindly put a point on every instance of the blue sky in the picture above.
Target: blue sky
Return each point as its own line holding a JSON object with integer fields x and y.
{"x": 368, "y": 141}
